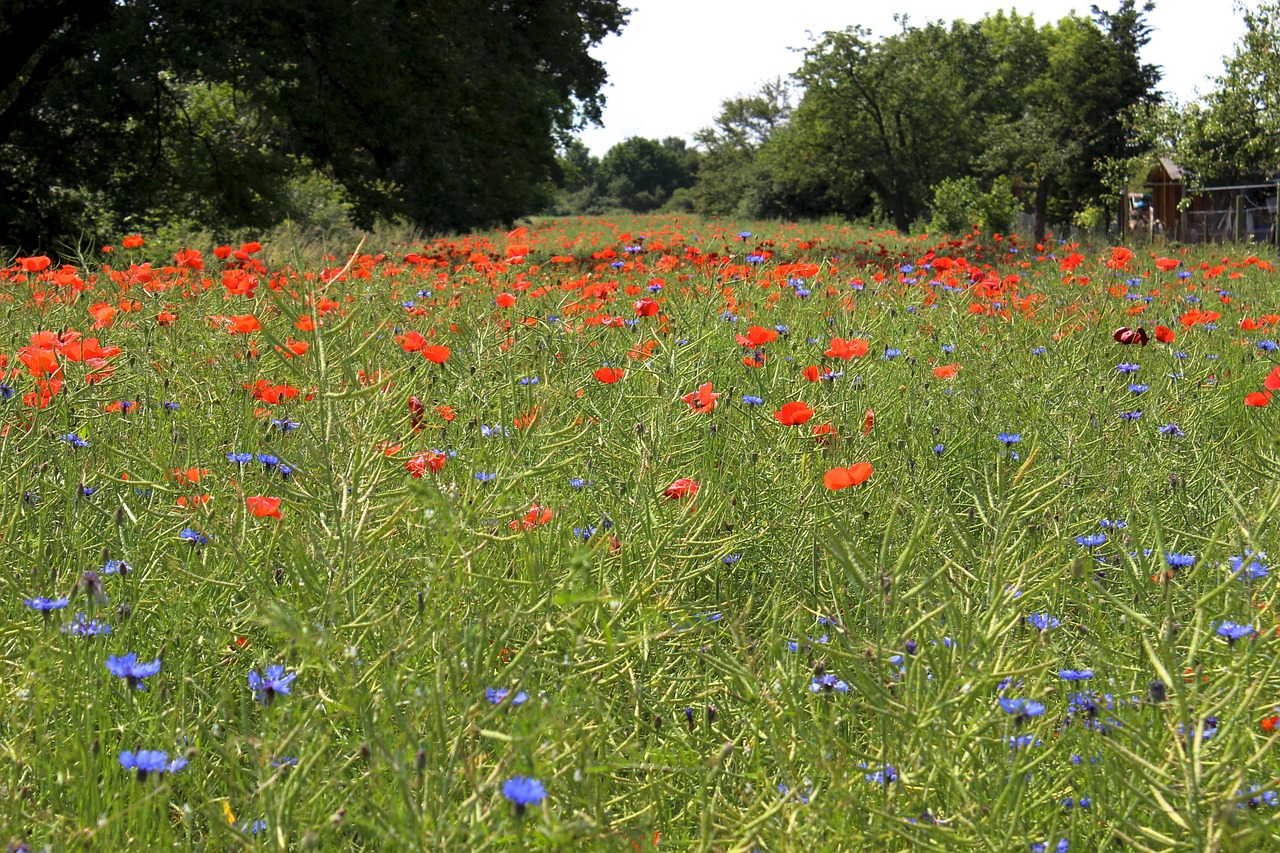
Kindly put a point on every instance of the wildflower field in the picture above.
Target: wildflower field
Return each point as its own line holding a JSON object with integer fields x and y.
{"x": 641, "y": 535}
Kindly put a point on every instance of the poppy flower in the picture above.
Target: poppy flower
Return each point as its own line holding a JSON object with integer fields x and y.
{"x": 1167, "y": 264}
{"x": 244, "y": 324}
{"x": 759, "y": 336}
{"x": 1165, "y": 335}
{"x": 435, "y": 354}
{"x": 681, "y": 488}
{"x": 263, "y": 507}
{"x": 166, "y": 318}
{"x": 1126, "y": 336}
{"x": 411, "y": 341}
{"x": 843, "y": 478}
{"x": 812, "y": 373}
{"x": 946, "y": 371}
{"x": 416, "y": 410}
{"x": 1257, "y": 398}
{"x": 34, "y": 264}
{"x": 423, "y": 462}
{"x": 505, "y": 300}
{"x": 609, "y": 375}
{"x": 793, "y": 414}
{"x": 535, "y": 517}
{"x": 847, "y": 349}
{"x": 647, "y": 308}
{"x": 703, "y": 400}
{"x": 1272, "y": 382}
{"x": 868, "y": 421}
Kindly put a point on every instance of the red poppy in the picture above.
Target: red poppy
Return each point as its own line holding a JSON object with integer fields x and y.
{"x": 166, "y": 318}
{"x": 609, "y": 375}
{"x": 847, "y": 349}
{"x": 133, "y": 241}
{"x": 812, "y": 373}
{"x": 843, "y": 478}
{"x": 868, "y": 421}
{"x": 793, "y": 414}
{"x": 1167, "y": 264}
{"x": 423, "y": 462}
{"x": 446, "y": 412}
{"x": 703, "y": 400}
{"x": 1257, "y": 398}
{"x": 244, "y": 324}
{"x": 263, "y": 507}
{"x": 535, "y": 517}
{"x": 435, "y": 354}
{"x": 222, "y": 252}
{"x": 1165, "y": 335}
{"x": 505, "y": 300}
{"x": 647, "y": 308}
{"x": 759, "y": 336}
{"x": 1269, "y": 723}
{"x": 416, "y": 410}
{"x": 1272, "y": 382}
{"x": 946, "y": 371}
{"x": 188, "y": 258}
{"x": 1125, "y": 335}
{"x": 682, "y": 488}
{"x": 34, "y": 264}
{"x": 411, "y": 341}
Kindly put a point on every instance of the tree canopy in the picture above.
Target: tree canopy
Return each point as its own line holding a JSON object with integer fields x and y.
{"x": 445, "y": 113}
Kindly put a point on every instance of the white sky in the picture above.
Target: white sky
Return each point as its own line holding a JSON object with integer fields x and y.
{"x": 678, "y": 59}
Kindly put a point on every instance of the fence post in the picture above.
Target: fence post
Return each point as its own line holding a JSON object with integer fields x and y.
{"x": 1239, "y": 218}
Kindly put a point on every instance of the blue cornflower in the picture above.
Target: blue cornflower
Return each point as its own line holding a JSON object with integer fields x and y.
{"x": 268, "y": 460}
{"x": 495, "y": 695}
{"x": 6, "y": 393}
{"x": 44, "y": 605}
{"x": 1255, "y": 569}
{"x": 195, "y": 537}
{"x": 1022, "y": 707}
{"x": 744, "y": 235}
{"x": 827, "y": 683}
{"x": 577, "y": 482}
{"x": 284, "y": 425}
{"x": 484, "y": 476}
{"x": 1092, "y": 540}
{"x": 146, "y": 761}
{"x": 882, "y": 777}
{"x": 1075, "y": 674}
{"x": 1126, "y": 367}
{"x": 73, "y": 439}
{"x": 939, "y": 449}
{"x": 1043, "y": 621}
{"x": 948, "y": 347}
{"x": 1181, "y": 355}
{"x": 171, "y": 406}
{"x": 1130, "y": 416}
{"x": 529, "y": 380}
{"x": 1180, "y": 561}
{"x": 782, "y": 330}
{"x": 495, "y": 430}
{"x": 1172, "y": 429}
{"x": 240, "y": 458}
{"x": 523, "y": 791}
{"x": 1138, "y": 389}
{"x": 285, "y": 471}
{"x": 1118, "y": 525}
{"x": 1231, "y": 632}
{"x": 1269, "y": 346}
{"x": 82, "y": 626}
{"x": 274, "y": 683}
{"x": 799, "y": 797}
{"x": 752, "y": 401}
{"x": 1039, "y": 351}
{"x": 128, "y": 668}
{"x": 1009, "y": 438}
{"x": 892, "y": 353}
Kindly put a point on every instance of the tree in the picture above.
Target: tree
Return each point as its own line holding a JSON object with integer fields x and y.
{"x": 729, "y": 171}
{"x": 444, "y": 112}
{"x": 891, "y": 117}
{"x": 641, "y": 174}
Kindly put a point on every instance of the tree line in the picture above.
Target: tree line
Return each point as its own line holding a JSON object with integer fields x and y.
{"x": 145, "y": 115}
{"x": 950, "y": 125}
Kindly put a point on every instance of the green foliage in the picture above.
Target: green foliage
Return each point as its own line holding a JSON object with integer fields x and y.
{"x": 960, "y": 203}
{"x": 444, "y": 113}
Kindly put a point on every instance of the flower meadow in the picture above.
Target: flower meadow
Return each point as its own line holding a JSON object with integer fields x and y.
{"x": 641, "y": 535}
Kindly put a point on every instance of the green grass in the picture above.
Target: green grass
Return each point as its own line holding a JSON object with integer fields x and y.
{"x": 667, "y": 660}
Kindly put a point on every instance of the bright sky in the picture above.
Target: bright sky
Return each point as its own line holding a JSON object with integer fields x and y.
{"x": 678, "y": 59}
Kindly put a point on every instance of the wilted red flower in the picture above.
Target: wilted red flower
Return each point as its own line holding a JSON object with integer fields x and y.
{"x": 868, "y": 421}
{"x": 793, "y": 414}
{"x": 703, "y": 400}
{"x": 682, "y": 488}
{"x": 842, "y": 478}
{"x": 416, "y": 410}
{"x": 609, "y": 375}
{"x": 263, "y": 507}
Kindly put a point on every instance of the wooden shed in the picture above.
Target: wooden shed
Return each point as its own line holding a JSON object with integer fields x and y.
{"x": 1165, "y": 181}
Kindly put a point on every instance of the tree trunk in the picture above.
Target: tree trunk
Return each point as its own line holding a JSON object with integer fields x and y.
{"x": 1042, "y": 206}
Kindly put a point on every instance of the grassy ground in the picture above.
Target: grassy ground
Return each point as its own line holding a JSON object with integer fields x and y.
{"x": 763, "y": 663}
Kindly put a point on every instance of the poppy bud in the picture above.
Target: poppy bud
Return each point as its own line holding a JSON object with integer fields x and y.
{"x": 420, "y": 761}
{"x": 657, "y": 723}
{"x": 712, "y": 713}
